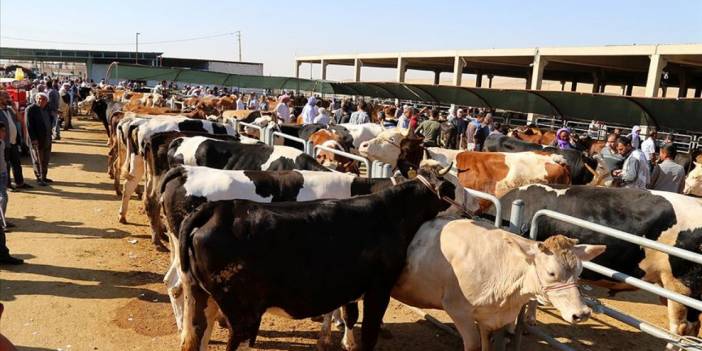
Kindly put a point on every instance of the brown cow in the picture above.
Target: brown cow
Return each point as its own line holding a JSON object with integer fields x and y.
{"x": 499, "y": 172}
{"x": 534, "y": 135}
{"x": 331, "y": 139}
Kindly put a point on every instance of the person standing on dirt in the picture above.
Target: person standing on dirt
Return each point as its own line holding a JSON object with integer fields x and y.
{"x": 5, "y": 257}
{"x": 12, "y": 140}
{"x": 54, "y": 104}
{"x": 39, "y": 128}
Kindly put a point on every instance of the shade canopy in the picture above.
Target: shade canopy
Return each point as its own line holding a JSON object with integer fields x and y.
{"x": 668, "y": 113}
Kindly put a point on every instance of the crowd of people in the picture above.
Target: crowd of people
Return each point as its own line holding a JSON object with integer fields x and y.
{"x": 33, "y": 132}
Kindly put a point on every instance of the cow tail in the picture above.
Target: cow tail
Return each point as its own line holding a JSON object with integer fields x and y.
{"x": 170, "y": 175}
{"x": 187, "y": 230}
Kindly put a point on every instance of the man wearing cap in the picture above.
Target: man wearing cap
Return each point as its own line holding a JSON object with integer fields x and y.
{"x": 54, "y": 104}
{"x": 39, "y": 128}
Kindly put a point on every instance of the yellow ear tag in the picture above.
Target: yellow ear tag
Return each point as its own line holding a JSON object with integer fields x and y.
{"x": 412, "y": 173}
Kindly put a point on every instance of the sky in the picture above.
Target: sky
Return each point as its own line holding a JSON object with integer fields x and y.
{"x": 275, "y": 32}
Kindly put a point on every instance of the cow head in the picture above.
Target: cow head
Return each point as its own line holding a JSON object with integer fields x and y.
{"x": 693, "y": 182}
{"x": 433, "y": 177}
{"x": 555, "y": 266}
{"x": 263, "y": 121}
{"x": 384, "y": 148}
{"x": 411, "y": 153}
{"x": 332, "y": 140}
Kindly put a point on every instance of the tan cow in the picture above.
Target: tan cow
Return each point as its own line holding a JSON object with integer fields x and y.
{"x": 482, "y": 275}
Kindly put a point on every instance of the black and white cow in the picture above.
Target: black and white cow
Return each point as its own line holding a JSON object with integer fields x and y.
{"x": 252, "y": 258}
{"x": 184, "y": 188}
{"x": 155, "y": 152}
{"x": 581, "y": 166}
{"x": 203, "y": 151}
{"x": 139, "y": 133}
{"x": 669, "y": 218}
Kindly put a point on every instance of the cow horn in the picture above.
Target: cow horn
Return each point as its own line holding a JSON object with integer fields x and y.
{"x": 445, "y": 170}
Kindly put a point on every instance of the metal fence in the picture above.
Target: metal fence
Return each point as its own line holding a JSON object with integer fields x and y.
{"x": 351, "y": 156}
{"x": 684, "y": 343}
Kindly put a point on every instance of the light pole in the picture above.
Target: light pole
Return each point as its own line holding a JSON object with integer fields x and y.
{"x": 136, "y": 59}
{"x": 238, "y": 37}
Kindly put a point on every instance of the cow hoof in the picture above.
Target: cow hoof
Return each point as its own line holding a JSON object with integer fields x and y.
{"x": 123, "y": 219}
{"x": 325, "y": 343}
{"x": 140, "y": 196}
{"x": 160, "y": 247}
{"x": 317, "y": 319}
{"x": 222, "y": 321}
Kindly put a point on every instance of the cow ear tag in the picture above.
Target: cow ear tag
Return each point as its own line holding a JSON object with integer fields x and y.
{"x": 412, "y": 173}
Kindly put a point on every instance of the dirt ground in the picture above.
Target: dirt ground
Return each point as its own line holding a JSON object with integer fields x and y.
{"x": 90, "y": 283}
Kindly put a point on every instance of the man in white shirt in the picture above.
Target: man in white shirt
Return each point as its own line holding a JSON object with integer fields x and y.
{"x": 648, "y": 147}
{"x": 282, "y": 109}
{"x": 634, "y": 173}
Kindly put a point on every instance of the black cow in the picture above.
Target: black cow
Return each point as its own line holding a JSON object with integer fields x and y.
{"x": 238, "y": 156}
{"x": 300, "y": 259}
{"x": 577, "y": 162}
{"x": 184, "y": 188}
{"x": 666, "y": 217}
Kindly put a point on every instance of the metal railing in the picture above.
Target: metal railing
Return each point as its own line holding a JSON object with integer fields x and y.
{"x": 306, "y": 145}
{"x": 685, "y": 343}
{"x": 381, "y": 169}
{"x": 492, "y": 198}
{"x": 261, "y": 130}
{"x": 358, "y": 158}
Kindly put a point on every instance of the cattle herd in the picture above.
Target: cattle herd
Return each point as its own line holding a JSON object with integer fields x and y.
{"x": 254, "y": 227}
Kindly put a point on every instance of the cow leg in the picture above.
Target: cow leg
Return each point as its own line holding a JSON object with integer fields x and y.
{"x": 677, "y": 313}
{"x": 174, "y": 288}
{"x": 374, "y": 304}
{"x": 324, "y": 341}
{"x": 129, "y": 187}
{"x": 462, "y": 316}
{"x": 244, "y": 322}
{"x": 485, "y": 344}
{"x": 152, "y": 208}
{"x": 349, "y": 313}
{"x": 198, "y": 312}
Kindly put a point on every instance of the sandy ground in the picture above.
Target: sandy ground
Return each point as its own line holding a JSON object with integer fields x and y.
{"x": 88, "y": 286}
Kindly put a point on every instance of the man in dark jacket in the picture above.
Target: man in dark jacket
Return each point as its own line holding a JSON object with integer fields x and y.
{"x": 13, "y": 139}
{"x": 39, "y": 127}
{"x": 53, "y": 106}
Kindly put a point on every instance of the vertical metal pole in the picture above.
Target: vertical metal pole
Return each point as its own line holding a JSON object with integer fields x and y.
{"x": 387, "y": 170}
{"x": 136, "y": 59}
{"x": 516, "y": 216}
{"x": 238, "y": 37}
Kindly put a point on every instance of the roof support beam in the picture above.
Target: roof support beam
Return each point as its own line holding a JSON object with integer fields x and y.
{"x": 458, "y": 64}
{"x": 323, "y": 68}
{"x": 655, "y": 69}
{"x": 537, "y": 73}
{"x": 297, "y": 68}
{"x": 401, "y": 69}
{"x": 437, "y": 77}
{"x": 357, "y": 64}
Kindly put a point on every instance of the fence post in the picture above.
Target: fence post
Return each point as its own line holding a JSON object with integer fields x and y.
{"x": 516, "y": 216}
{"x": 309, "y": 148}
{"x": 267, "y": 132}
{"x": 387, "y": 170}
{"x": 235, "y": 122}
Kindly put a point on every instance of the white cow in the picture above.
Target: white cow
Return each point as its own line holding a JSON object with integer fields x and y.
{"x": 362, "y": 132}
{"x": 480, "y": 274}
{"x": 693, "y": 181}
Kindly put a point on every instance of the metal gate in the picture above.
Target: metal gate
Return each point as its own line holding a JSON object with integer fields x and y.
{"x": 682, "y": 342}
